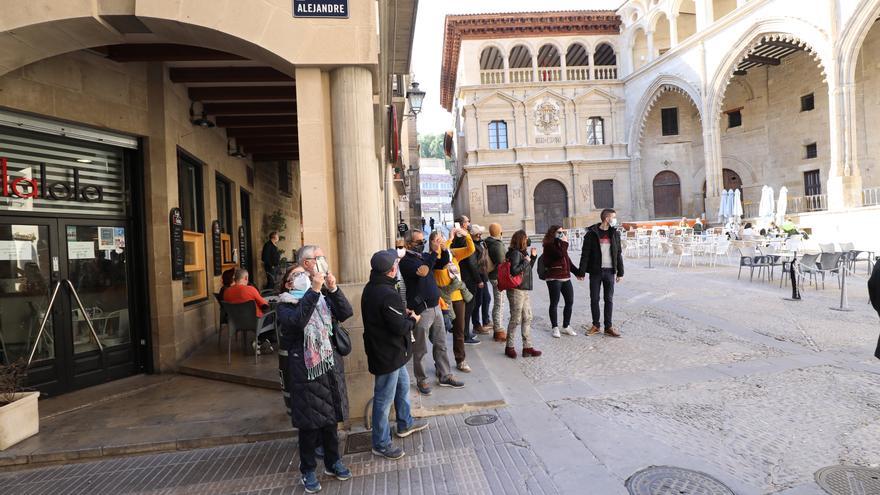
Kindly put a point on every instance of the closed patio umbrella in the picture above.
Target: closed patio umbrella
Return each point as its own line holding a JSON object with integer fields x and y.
{"x": 722, "y": 208}
{"x": 781, "y": 205}
{"x": 765, "y": 209}
{"x": 737, "y": 205}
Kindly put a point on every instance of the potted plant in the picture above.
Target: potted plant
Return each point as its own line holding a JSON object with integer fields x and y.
{"x": 19, "y": 414}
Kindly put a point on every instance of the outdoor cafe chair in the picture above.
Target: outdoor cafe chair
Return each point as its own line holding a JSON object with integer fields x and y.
{"x": 830, "y": 263}
{"x": 682, "y": 251}
{"x": 809, "y": 268}
{"x": 224, "y": 318}
{"x": 721, "y": 248}
{"x": 826, "y": 247}
{"x": 243, "y": 319}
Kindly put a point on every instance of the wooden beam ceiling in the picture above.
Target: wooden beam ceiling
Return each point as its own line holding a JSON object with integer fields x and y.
{"x": 243, "y": 93}
{"x": 235, "y": 74}
{"x": 286, "y": 131}
{"x": 762, "y": 60}
{"x": 253, "y": 108}
{"x": 271, "y": 149}
{"x": 274, "y": 157}
{"x": 164, "y": 52}
{"x": 254, "y": 141}
{"x": 256, "y": 121}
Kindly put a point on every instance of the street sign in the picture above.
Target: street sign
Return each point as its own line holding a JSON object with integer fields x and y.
{"x": 321, "y": 8}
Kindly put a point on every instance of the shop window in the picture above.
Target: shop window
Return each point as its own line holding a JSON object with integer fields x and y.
{"x": 497, "y": 199}
{"x": 669, "y": 120}
{"x": 734, "y": 119}
{"x": 603, "y": 194}
{"x": 189, "y": 183}
{"x": 808, "y": 103}
{"x": 498, "y": 135}
{"x": 811, "y": 151}
{"x": 285, "y": 180}
{"x": 596, "y": 131}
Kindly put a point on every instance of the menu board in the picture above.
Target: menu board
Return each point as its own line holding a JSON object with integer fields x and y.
{"x": 242, "y": 248}
{"x": 178, "y": 250}
{"x": 217, "y": 248}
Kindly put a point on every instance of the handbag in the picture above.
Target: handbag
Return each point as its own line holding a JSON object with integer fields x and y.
{"x": 505, "y": 279}
{"x": 341, "y": 340}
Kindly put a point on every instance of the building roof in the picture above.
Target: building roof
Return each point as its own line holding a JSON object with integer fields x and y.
{"x": 515, "y": 25}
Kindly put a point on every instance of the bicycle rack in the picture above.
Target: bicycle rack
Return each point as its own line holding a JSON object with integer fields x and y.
{"x": 49, "y": 312}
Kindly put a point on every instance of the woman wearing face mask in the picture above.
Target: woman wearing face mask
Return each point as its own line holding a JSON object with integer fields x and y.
{"x": 521, "y": 263}
{"x": 559, "y": 269}
{"x": 310, "y": 311}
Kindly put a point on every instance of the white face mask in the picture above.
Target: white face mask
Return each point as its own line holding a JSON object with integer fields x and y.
{"x": 301, "y": 282}
{"x": 613, "y": 222}
{"x": 401, "y": 252}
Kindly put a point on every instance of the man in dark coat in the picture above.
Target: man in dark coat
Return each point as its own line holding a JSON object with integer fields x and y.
{"x": 602, "y": 260}
{"x": 874, "y": 293}
{"x": 317, "y": 404}
{"x": 271, "y": 258}
{"x": 388, "y": 337}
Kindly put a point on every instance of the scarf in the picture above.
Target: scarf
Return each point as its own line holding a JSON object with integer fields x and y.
{"x": 317, "y": 349}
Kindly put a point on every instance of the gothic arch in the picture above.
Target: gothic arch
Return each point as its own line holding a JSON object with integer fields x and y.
{"x": 661, "y": 85}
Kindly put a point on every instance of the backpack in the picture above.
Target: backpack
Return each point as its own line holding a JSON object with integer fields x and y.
{"x": 505, "y": 279}
{"x": 485, "y": 261}
{"x": 541, "y": 268}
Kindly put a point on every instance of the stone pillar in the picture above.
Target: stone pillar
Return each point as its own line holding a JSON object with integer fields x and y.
{"x": 712, "y": 163}
{"x": 640, "y": 211}
{"x": 528, "y": 223}
{"x": 316, "y": 161}
{"x": 521, "y": 123}
{"x": 844, "y": 186}
{"x": 506, "y": 69}
{"x": 651, "y": 54}
{"x": 705, "y": 14}
{"x": 673, "y": 31}
{"x": 571, "y": 124}
{"x": 356, "y": 181}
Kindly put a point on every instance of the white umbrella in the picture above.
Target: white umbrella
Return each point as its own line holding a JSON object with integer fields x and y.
{"x": 765, "y": 209}
{"x": 781, "y": 205}
{"x": 722, "y": 212}
{"x": 728, "y": 204}
{"x": 737, "y": 204}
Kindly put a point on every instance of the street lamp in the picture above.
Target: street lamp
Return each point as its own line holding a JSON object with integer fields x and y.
{"x": 415, "y": 97}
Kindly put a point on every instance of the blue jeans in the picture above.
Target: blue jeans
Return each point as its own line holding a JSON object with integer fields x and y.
{"x": 391, "y": 387}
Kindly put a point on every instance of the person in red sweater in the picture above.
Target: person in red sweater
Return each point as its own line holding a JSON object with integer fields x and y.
{"x": 559, "y": 269}
{"x": 241, "y": 292}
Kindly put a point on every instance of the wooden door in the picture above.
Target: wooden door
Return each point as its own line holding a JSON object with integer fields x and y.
{"x": 667, "y": 195}
{"x": 551, "y": 205}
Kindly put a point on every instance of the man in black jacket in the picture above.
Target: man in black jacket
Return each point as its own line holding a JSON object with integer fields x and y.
{"x": 874, "y": 293}
{"x": 388, "y": 339}
{"x": 271, "y": 258}
{"x": 423, "y": 299}
{"x": 602, "y": 260}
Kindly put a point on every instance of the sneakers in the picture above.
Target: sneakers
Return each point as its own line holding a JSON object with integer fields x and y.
{"x": 310, "y": 482}
{"x": 339, "y": 471}
{"x": 510, "y": 352}
{"x": 568, "y": 331}
{"x": 463, "y": 367}
{"x": 556, "y": 332}
{"x": 450, "y": 381}
{"x": 612, "y": 332}
{"x": 389, "y": 452}
{"x": 531, "y": 352}
{"x": 472, "y": 341}
{"x": 593, "y": 330}
{"x": 423, "y": 387}
{"x": 417, "y": 425}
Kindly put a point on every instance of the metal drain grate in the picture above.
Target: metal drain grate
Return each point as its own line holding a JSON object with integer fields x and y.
{"x": 359, "y": 442}
{"x": 667, "y": 480}
{"x": 849, "y": 480}
{"x": 481, "y": 419}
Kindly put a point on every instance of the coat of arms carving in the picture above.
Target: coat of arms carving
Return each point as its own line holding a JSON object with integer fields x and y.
{"x": 547, "y": 117}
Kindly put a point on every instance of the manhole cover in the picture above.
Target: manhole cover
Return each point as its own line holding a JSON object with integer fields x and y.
{"x": 666, "y": 480}
{"x": 849, "y": 480}
{"x": 359, "y": 442}
{"x": 481, "y": 419}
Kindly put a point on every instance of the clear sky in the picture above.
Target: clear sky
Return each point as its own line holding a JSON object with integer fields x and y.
{"x": 428, "y": 43}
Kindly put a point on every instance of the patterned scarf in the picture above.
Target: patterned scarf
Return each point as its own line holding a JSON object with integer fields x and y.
{"x": 317, "y": 350}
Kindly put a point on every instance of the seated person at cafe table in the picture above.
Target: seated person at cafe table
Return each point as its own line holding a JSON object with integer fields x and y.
{"x": 241, "y": 292}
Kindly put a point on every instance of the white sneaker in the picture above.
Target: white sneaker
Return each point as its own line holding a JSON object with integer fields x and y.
{"x": 568, "y": 331}
{"x": 556, "y": 332}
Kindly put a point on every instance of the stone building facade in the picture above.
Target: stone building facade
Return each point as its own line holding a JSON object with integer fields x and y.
{"x": 700, "y": 96}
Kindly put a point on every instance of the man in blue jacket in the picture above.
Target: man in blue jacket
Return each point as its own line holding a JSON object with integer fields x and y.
{"x": 423, "y": 299}
{"x": 388, "y": 327}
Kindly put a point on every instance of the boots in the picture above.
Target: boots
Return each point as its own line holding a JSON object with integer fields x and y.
{"x": 530, "y": 352}
{"x": 500, "y": 336}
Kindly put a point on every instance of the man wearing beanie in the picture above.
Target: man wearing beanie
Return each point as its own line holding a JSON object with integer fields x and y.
{"x": 388, "y": 327}
{"x": 497, "y": 252}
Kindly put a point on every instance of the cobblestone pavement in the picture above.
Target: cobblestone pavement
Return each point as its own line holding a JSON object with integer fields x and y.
{"x": 713, "y": 374}
{"x": 448, "y": 458}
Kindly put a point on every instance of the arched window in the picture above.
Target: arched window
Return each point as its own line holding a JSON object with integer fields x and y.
{"x": 667, "y": 195}
{"x": 662, "y": 36}
{"x": 549, "y": 64}
{"x": 595, "y": 131}
{"x": 686, "y": 23}
{"x": 491, "y": 66}
{"x": 639, "y": 49}
{"x": 605, "y": 61}
{"x": 498, "y": 135}
{"x": 520, "y": 64}
{"x": 577, "y": 61}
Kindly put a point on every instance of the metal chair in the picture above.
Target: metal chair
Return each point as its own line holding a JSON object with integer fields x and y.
{"x": 808, "y": 267}
{"x": 747, "y": 255}
{"x": 224, "y": 318}
{"x": 243, "y": 318}
{"x": 826, "y": 247}
{"x": 830, "y": 263}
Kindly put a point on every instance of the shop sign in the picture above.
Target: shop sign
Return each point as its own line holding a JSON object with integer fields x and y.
{"x": 178, "y": 250}
{"x": 321, "y": 8}
{"x": 218, "y": 251}
{"x": 32, "y": 188}
{"x": 242, "y": 248}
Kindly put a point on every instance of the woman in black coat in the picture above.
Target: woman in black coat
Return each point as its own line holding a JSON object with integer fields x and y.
{"x": 874, "y": 293}
{"x": 318, "y": 403}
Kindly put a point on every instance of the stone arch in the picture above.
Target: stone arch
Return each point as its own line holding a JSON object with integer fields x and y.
{"x": 577, "y": 54}
{"x": 686, "y": 12}
{"x": 492, "y": 57}
{"x": 520, "y": 56}
{"x": 810, "y": 38}
{"x": 639, "y": 48}
{"x": 662, "y": 29}
{"x": 661, "y": 85}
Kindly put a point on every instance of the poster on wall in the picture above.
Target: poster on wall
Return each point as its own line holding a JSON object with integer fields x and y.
{"x": 106, "y": 238}
{"x": 16, "y": 251}
{"x": 81, "y": 250}
{"x": 119, "y": 237}
{"x": 242, "y": 248}
{"x": 217, "y": 248}
{"x": 178, "y": 251}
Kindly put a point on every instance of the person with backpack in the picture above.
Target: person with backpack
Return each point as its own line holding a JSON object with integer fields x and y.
{"x": 602, "y": 259}
{"x": 481, "y": 296}
{"x": 555, "y": 268}
{"x": 515, "y": 277}
{"x": 494, "y": 256}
